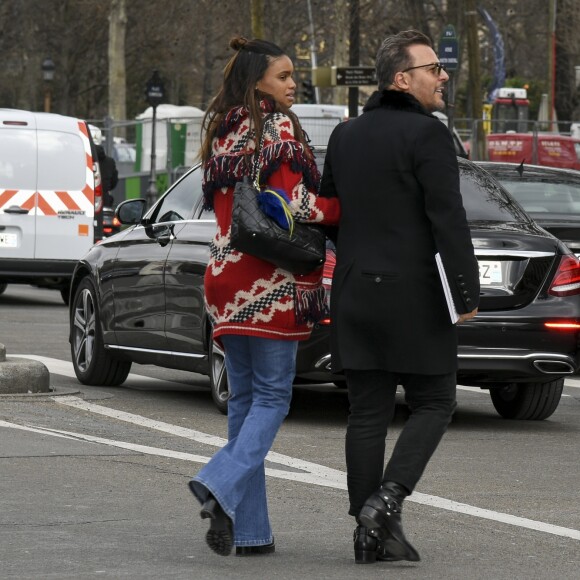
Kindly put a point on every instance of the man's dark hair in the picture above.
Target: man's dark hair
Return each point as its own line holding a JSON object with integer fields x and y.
{"x": 393, "y": 55}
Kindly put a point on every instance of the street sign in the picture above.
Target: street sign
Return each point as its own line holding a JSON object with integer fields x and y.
{"x": 353, "y": 76}
{"x": 154, "y": 90}
{"x": 449, "y": 49}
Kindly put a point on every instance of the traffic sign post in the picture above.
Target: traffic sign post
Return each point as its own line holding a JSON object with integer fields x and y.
{"x": 346, "y": 76}
{"x": 448, "y": 49}
{"x": 449, "y": 56}
{"x": 353, "y": 76}
{"x": 155, "y": 95}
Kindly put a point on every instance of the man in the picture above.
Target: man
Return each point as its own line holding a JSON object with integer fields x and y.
{"x": 395, "y": 171}
{"x": 109, "y": 176}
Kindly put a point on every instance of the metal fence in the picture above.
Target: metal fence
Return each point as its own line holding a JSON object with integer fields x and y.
{"x": 178, "y": 141}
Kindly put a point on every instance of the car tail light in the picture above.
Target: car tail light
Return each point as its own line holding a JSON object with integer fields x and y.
{"x": 567, "y": 279}
{"x": 98, "y": 188}
{"x": 116, "y": 222}
{"x": 563, "y": 325}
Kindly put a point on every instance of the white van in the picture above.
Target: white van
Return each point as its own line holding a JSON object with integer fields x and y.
{"x": 318, "y": 120}
{"x": 50, "y": 198}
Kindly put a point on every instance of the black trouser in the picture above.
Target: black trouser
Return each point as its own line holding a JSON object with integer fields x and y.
{"x": 431, "y": 400}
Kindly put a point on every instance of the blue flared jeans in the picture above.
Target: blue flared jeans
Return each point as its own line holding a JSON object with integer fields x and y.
{"x": 260, "y": 375}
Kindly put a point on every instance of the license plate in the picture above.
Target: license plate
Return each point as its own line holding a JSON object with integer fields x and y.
{"x": 8, "y": 240}
{"x": 489, "y": 273}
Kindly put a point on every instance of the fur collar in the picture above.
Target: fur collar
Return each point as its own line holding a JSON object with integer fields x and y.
{"x": 396, "y": 100}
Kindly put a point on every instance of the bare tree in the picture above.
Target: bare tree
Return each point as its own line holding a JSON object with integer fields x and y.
{"x": 187, "y": 41}
{"x": 117, "y": 72}
{"x": 257, "y": 18}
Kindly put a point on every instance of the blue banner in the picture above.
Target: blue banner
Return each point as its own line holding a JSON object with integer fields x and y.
{"x": 498, "y": 52}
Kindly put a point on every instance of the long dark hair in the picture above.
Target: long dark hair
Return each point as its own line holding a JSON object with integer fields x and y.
{"x": 241, "y": 74}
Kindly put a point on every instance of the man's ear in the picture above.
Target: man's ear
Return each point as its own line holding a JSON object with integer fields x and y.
{"x": 400, "y": 81}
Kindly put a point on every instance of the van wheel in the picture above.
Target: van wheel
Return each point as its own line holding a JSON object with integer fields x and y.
{"x": 3, "y": 287}
{"x": 218, "y": 376}
{"x": 93, "y": 364}
{"x": 528, "y": 401}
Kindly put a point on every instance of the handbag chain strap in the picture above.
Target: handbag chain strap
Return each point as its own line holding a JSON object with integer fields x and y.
{"x": 254, "y": 176}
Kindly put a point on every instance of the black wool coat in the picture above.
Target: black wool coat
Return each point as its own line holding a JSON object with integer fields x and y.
{"x": 395, "y": 172}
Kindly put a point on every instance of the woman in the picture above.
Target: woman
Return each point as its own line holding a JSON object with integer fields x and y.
{"x": 258, "y": 312}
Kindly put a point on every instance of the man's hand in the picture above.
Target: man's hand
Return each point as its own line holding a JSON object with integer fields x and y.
{"x": 468, "y": 316}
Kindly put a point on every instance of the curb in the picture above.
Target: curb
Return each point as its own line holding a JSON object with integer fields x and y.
{"x": 53, "y": 392}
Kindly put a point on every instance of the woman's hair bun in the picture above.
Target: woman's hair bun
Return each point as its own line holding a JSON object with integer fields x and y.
{"x": 238, "y": 42}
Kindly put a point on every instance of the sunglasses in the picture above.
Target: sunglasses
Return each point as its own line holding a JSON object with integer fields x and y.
{"x": 436, "y": 67}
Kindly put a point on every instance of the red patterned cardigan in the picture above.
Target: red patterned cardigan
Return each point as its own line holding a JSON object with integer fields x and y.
{"x": 245, "y": 295}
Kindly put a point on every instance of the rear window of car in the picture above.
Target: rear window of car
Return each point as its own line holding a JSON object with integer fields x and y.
{"x": 545, "y": 196}
{"x": 485, "y": 200}
{"x": 42, "y": 160}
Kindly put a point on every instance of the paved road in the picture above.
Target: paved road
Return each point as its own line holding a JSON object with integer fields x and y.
{"x": 93, "y": 480}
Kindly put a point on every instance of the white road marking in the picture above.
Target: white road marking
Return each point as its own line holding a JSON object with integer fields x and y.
{"x": 311, "y": 472}
{"x": 575, "y": 383}
{"x": 200, "y": 437}
{"x": 325, "y": 477}
{"x": 337, "y": 481}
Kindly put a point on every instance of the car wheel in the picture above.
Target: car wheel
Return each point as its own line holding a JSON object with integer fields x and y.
{"x": 3, "y": 287}
{"x": 93, "y": 364}
{"x": 530, "y": 401}
{"x": 218, "y": 377}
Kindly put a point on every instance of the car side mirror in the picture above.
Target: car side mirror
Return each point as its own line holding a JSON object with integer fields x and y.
{"x": 130, "y": 211}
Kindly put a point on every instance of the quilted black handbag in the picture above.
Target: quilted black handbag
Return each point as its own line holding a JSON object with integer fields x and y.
{"x": 299, "y": 250}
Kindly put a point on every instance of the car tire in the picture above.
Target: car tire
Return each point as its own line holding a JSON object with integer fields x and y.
{"x": 527, "y": 401}
{"x": 93, "y": 364}
{"x": 3, "y": 287}
{"x": 218, "y": 376}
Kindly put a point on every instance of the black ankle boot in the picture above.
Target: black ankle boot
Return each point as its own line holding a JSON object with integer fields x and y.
{"x": 366, "y": 545}
{"x": 383, "y": 510}
{"x": 220, "y": 536}
{"x": 256, "y": 550}
{"x": 369, "y": 546}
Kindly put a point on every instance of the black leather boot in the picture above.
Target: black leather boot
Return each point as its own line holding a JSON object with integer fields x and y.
{"x": 365, "y": 546}
{"x": 256, "y": 550}
{"x": 383, "y": 510}
{"x": 220, "y": 536}
{"x": 369, "y": 546}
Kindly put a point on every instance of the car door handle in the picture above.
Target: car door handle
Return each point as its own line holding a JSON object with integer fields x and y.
{"x": 16, "y": 209}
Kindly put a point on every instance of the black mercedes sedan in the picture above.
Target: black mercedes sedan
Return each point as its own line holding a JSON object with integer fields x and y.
{"x": 138, "y": 297}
